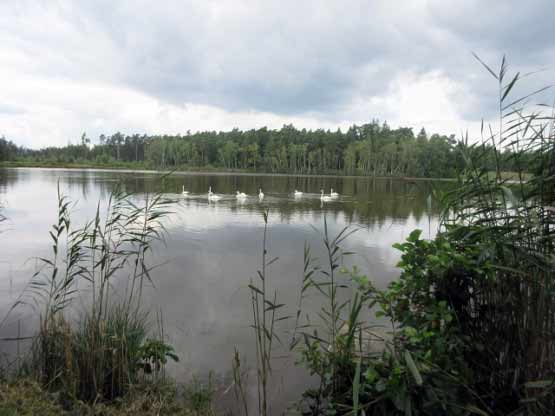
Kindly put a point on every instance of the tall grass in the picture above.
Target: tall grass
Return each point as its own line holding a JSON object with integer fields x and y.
{"x": 264, "y": 309}
{"x": 200, "y": 396}
{"x": 240, "y": 377}
{"x": 331, "y": 342}
{"x": 470, "y": 323}
{"x": 103, "y": 264}
{"x": 512, "y": 314}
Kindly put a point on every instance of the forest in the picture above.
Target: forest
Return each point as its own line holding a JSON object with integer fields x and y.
{"x": 372, "y": 149}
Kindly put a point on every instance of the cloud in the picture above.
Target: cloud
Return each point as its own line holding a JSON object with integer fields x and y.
{"x": 171, "y": 66}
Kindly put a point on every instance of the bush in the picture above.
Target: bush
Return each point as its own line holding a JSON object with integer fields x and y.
{"x": 469, "y": 325}
{"x": 424, "y": 365}
{"x": 415, "y": 362}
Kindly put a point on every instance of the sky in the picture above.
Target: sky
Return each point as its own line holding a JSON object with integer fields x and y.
{"x": 168, "y": 67}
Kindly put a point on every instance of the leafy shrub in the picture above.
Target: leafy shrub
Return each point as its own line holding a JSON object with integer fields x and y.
{"x": 416, "y": 361}
{"x": 423, "y": 367}
{"x": 154, "y": 354}
{"x": 469, "y": 324}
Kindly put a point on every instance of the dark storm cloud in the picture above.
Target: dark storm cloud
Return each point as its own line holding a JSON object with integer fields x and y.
{"x": 282, "y": 58}
{"x": 523, "y": 31}
{"x": 291, "y": 58}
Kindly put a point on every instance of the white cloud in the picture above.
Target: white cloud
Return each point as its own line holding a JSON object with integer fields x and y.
{"x": 59, "y": 110}
{"x": 172, "y": 66}
{"x": 431, "y": 100}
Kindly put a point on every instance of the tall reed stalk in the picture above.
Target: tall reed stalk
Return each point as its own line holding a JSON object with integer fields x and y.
{"x": 512, "y": 313}
{"x": 239, "y": 381}
{"x": 264, "y": 309}
{"x": 332, "y": 341}
{"x": 99, "y": 355}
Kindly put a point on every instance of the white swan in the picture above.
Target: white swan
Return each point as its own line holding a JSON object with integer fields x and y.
{"x": 260, "y": 194}
{"x": 298, "y": 193}
{"x": 324, "y": 197}
{"x": 333, "y": 194}
{"x": 212, "y": 196}
{"x": 184, "y": 192}
{"x": 241, "y": 195}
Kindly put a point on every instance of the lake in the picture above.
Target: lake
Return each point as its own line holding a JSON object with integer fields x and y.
{"x": 212, "y": 249}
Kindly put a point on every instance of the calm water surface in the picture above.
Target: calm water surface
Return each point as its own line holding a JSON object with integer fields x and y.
{"x": 213, "y": 249}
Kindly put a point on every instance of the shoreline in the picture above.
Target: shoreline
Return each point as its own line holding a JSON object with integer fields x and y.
{"x": 131, "y": 170}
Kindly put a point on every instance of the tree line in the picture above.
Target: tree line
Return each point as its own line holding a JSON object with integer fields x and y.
{"x": 9, "y": 150}
{"x": 372, "y": 149}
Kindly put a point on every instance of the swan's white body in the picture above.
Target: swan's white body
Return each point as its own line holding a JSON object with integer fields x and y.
{"x": 260, "y": 194}
{"x": 183, "y": 191}
{"x": 241, "y": 195}
{"x": 333, "y": 194}
{"x": 212, "y": 196}
{"x": 298, "y": 193}
{"x": 324, "y": 197}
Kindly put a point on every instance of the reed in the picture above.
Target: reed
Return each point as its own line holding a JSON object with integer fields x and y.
{"x": 200, "y": 396}
{"x": 103, "y": 263}
{"x": 511, "y": 313}
{"x": 332, "y": 340}
{"x": 264, "y": 309}
{"x": 469, "y": 325}
{"x": 240, "y": 378}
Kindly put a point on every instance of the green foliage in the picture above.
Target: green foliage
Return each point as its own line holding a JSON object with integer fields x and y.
{"x": 105, "y": 355}
{"x": 200, "y": 396}
{"x": 265, "y": 310}
{"x": 154, "y": 354}
{"x": 9, "y": 150}
{"x": 372, "y": 149}
{"x": 415, "y": 362}
{"x": 100, "y": 356}
{"x": 468, "y": 326}
{"x": 511, "y": 313}
{"x": 330, "y": 344}
{"x": 25, "y": 397}
{"x": 240, "y": 378}
{"x": 423, "y": 368}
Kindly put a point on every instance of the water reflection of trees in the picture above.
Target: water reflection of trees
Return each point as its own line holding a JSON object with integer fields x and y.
{"x": 363, "y": 200}
{"x": 8, "y": 177}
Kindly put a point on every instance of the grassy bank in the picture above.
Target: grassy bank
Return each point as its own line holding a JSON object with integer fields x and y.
{"x": 26, "y": 397}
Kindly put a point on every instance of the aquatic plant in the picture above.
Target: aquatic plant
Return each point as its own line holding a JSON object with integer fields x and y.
{"x": 512, "y": 222}
{"x": 99, "y": 354}
{"x": 330, "y": 345}
{"x": 200, "y": 396}
{"x": 468, "y": 327}
{"x": 240, "y": 379}
{"x": 264, "y": 311}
